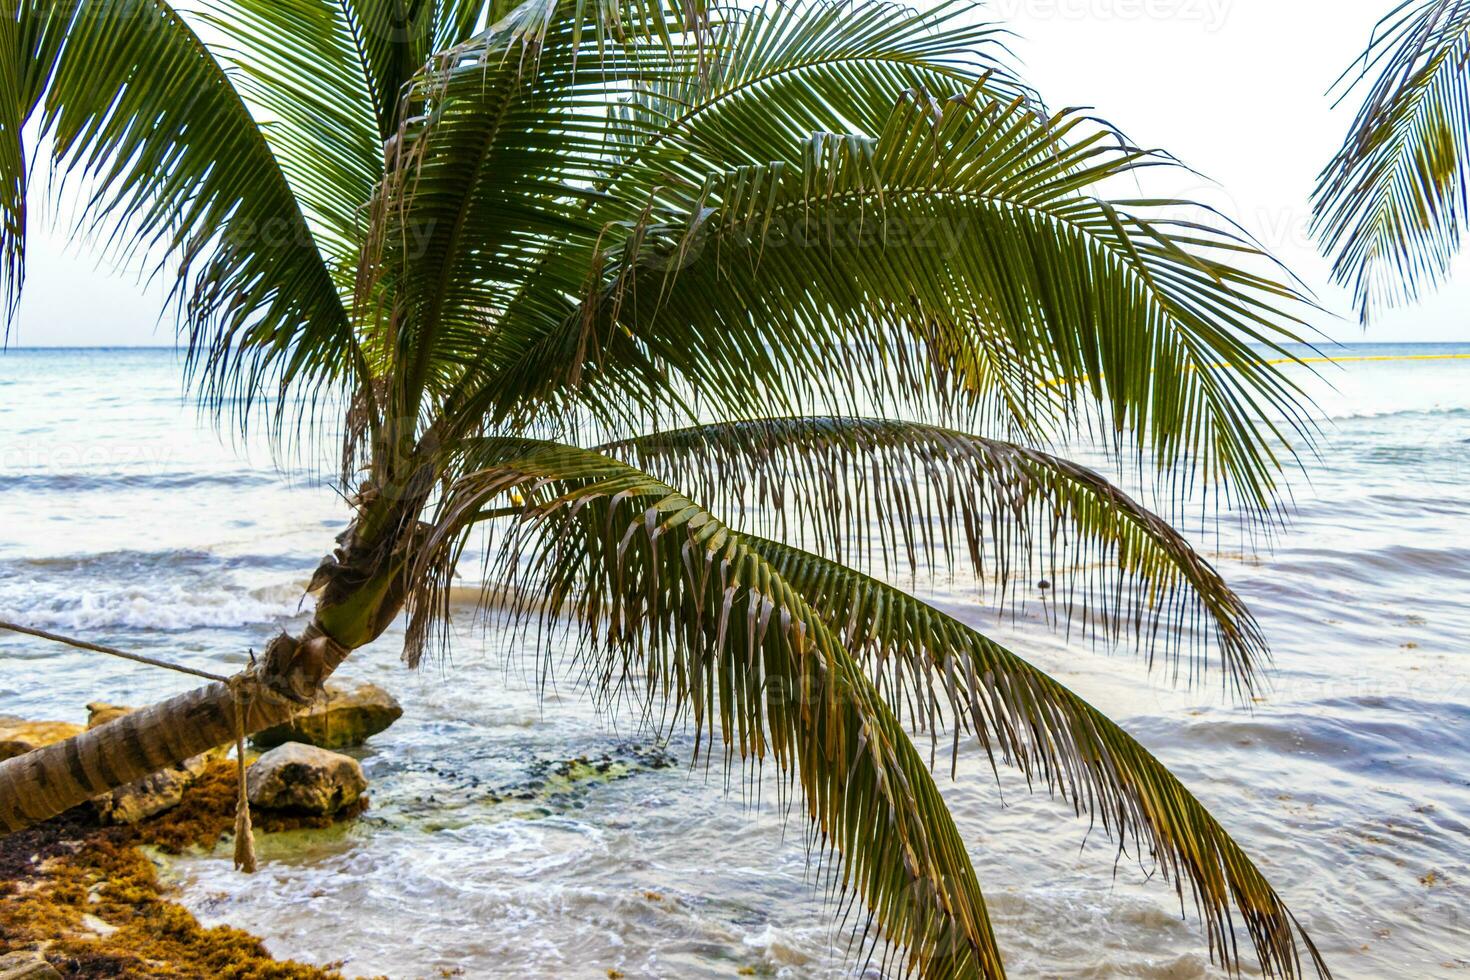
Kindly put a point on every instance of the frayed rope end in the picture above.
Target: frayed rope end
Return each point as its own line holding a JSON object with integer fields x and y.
{"x": 244, "y": 838}
{"x": 244, "y": 835}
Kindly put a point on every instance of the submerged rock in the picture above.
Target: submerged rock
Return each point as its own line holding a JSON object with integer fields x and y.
{"x": 556, "y": 783}
{"x": 21, "y": 737}
{"x": 345, "y": 715}
{"x": 304, "y": 778}
{"x": 27, "y": 965}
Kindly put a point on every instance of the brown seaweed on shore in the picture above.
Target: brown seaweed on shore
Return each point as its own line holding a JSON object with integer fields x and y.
{"x": 89, "y": 898}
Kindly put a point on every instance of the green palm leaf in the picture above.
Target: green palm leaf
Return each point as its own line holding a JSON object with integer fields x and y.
{"x": 678, "y": 111}
{"x": 395, "y": 39}
{"x": 1391, "y": 205}
{"x": 933, "y": 493}
{"x": 1040, "y": 726}
{"x": 752, "y": 102}
{"x": 140, "y": 113}
{"x": 19, "y": 40}
{"x": 680, "y": 610}
{"x": 905, "y": 268}
{"x": 297, "y": 64}
{"x": 490, "y": 190}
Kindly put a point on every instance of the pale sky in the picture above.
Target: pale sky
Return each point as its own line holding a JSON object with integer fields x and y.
{"x": 1234, "y": 88}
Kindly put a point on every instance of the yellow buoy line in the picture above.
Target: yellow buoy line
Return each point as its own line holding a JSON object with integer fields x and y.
{"x": 1055, "y": 382}
{"x": 1369, "y": 357}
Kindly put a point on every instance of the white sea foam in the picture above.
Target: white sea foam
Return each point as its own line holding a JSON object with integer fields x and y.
{"x": 161, "y": 606}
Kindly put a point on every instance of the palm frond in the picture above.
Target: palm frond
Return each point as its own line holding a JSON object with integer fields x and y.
{"x": 933, "y": 493}
{"x": 904, "y": 268}
{"x": 1391, "y": 205}
{"x": 298, "y": 65}
{"x": 682, "y": 613}
{"x": 604, "y": 26}
{"x": 23, "y": 44}
{"x": 707, "y": 106}
{"x": 780, "y": 54}
{"x": 937, "y": 664}
{"x": 394, "y": 40}
{"x": 489, "y": 188}
{"x": 139, "y": 112}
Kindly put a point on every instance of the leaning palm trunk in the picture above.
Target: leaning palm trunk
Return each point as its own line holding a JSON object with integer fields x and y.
{"x": 50, "y": 780}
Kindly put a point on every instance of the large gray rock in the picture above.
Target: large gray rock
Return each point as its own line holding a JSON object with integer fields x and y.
{"x": 345, "y": 715}
{"x": 304, "y": 778}
{"x": 27, "y": 965}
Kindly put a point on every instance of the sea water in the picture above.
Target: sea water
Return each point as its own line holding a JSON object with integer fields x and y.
{"x": 127, "y": 519}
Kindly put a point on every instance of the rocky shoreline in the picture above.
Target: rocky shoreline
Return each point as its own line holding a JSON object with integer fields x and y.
{"x": 91, "y": 894}
{"x": 81, "y": 894}
{"x": 81, "y": 898}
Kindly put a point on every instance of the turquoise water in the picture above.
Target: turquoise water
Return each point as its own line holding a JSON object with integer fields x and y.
{"x": 127, "y": 519}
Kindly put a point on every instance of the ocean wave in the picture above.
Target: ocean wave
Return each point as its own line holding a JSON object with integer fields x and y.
{"x": 164, "y": 607}
{"x": 1389, "y": 412}
{"x": 170, "y": 590}
{"x": 171, "y": 563}
{"x": 164, "y": 590}
{"x": 1303, "y": 567}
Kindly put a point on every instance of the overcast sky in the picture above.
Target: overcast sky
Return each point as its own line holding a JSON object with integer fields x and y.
{"x": 1234, "y": 88}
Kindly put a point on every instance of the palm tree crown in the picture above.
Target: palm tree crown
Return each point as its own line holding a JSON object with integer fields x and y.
{"x": 600, "y": 272}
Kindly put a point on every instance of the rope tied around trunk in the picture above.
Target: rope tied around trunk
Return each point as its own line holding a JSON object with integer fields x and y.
{"x": 244, "y": 835}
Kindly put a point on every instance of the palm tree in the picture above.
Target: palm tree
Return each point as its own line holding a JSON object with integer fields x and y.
{"x": 599, "y": 272}
{"x": 1391, "y": 205}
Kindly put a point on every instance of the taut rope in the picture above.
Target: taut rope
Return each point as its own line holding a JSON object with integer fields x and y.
{"x": 111, "y": 651}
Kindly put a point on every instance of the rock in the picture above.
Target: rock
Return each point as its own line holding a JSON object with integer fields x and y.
{"x": 150, "y": 795}
{"x": 346, "y": 715}
{"x": 27, "y": 964}
{"x": 22, "y": 737}
{"x": 153, "y": 794}
{"x": 305, "y": 778}
{"x": 100, "y": 713}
